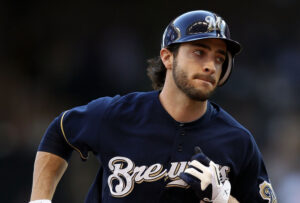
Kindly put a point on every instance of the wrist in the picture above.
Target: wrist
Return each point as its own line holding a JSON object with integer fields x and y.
{"x": 41, "y": 201}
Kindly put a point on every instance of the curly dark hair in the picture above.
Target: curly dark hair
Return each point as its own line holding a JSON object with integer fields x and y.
{"x": 156, "y": 70}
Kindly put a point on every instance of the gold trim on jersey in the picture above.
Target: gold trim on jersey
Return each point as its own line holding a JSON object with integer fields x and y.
{"x": 63, "y": 132}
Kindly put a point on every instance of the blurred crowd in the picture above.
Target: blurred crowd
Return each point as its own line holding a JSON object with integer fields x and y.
{"x": 58, "y": 55}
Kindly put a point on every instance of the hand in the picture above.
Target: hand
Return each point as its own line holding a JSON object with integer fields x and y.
{"x": 204, "y": 177}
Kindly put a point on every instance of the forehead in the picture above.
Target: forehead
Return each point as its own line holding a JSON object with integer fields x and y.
{"x": 213, "y": 43}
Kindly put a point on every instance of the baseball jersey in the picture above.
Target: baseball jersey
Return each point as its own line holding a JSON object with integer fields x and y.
{"x": 142, "y": 149}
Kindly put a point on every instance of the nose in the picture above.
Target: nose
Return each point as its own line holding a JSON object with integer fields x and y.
{"x": 209, "y": 67}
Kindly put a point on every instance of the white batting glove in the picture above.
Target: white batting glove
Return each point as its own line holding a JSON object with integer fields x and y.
{"x": 41, "y": 201}
{"x": 203, "y": 176}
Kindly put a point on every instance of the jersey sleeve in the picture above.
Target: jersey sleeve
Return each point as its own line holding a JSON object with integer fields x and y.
{"x": 76, "y": 129}
{"x": 53, "y": 141}
{"x": 253, "y": 183}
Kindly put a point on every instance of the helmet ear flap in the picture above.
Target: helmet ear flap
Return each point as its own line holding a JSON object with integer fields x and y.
{"x": 226, "y": 69}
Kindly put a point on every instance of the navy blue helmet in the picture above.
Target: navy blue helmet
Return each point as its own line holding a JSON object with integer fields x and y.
{"x": 200, "y": 24}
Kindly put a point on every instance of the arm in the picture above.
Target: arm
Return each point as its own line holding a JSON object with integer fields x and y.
{"x": 48, "y": 170}
{"x": 232, "y": 200}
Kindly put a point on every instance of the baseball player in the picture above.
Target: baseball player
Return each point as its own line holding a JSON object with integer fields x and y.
{"x": 168, "y": 145}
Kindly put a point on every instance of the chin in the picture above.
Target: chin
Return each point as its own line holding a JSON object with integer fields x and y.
{"x": 199, "y": 95}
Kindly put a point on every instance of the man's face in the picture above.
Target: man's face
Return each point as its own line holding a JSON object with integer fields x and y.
{"x": 198, "y": 66}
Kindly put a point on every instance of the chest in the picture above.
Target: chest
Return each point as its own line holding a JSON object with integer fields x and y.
{"x": 155, "y": 142}
{"x": 146, "y": 156}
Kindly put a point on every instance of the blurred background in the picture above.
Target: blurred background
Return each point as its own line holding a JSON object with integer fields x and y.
{"x": 56, "y": 55}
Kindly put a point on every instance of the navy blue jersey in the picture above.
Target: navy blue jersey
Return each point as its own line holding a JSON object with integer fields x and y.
{"x": 142, "y": 149}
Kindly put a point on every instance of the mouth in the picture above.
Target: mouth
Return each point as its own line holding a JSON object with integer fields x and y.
{"x": 205, "y": 78}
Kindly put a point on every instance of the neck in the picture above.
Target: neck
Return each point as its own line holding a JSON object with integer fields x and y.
{"x": 180, "y": 106}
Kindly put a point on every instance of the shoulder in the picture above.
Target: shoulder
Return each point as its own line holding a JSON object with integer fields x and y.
{"x": 226, "y": 119}
{"x": 238, "y": 135}
{"x": 108, "y": 101}
{"x": 232, "y": 127}
{"x": 133, "y": 101}
{"x": 107, "y": 105}
{"x": 136, "y": 97}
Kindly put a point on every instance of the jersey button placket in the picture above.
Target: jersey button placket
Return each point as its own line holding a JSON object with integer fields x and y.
{"x": 180, "y": 148}
{"x": 181, "y": 133}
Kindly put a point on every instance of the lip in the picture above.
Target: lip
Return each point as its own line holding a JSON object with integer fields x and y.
{"x": 207, "y": 79}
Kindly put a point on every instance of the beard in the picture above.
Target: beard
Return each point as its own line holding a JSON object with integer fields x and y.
{"x": 182, "y": 82}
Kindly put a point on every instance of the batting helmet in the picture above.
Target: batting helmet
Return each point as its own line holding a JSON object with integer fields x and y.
{"x": 200, "y": 24}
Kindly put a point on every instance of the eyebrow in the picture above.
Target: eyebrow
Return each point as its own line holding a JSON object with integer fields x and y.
{"x": 199, "y": 44}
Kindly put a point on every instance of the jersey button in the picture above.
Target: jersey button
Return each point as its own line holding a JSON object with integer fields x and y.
{"x": 182, "y": 133}
{"x": 181, "y": 124}
{"x": 179, "y": 148}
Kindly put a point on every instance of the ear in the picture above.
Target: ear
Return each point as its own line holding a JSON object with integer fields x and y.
{"x": 166, "y": 57}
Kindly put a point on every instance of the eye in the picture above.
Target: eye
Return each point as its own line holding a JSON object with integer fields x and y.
{"x": 220, "y": 60}
{"x": 199, "y": 52}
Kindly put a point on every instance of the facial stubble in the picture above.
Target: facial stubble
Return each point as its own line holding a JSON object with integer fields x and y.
{"x": 182, "y": 82}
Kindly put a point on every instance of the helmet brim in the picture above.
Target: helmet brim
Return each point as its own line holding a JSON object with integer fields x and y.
{"x": 232, "y": 46}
